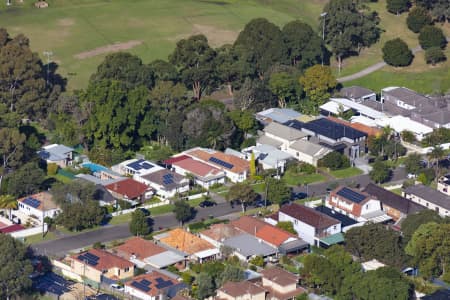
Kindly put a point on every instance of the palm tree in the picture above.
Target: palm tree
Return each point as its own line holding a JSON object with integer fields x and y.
{"x": 436, "y": 154}
{"x": 8, "y": 202}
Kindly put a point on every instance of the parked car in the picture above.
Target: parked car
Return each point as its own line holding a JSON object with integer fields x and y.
{"x": 411, "y": 176}
{"x": 299, "y": 195}
{"x": 117, "y": 287}
{"x": 207, "y": 203}
{"x": 145, "y": 211}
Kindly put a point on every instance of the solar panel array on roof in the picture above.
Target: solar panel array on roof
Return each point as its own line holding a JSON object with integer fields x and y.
{"x": 145, "y": 282}
{"x": 220, "y": 162}
{"x": 140, "y": 286}
{"x": 161, "y": 283}
{"x": 89, "y": 258}
{"x": 140, "y": 164}
{"x": 168, "y": 179}
{"x": 351, "y": 195}
{"x": 32, "y": 202}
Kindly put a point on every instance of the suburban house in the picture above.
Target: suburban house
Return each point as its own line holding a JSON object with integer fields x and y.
{"x": 102, "y": 195}
{"x": 335, "y": 136}
{"x": 401, "y": 123}
{"x": 312, "y": 226}
{"x": 130, "y": 190}
{"x": 37, "y": 207}
{"x": 143, "y": 252}
{"x": 403, "y": 101}
{"x": 308, "y": 152}
{"x": 358, "y": 94}
{"x": 136, "y": 167}
{"x": 203, "y": 174}
{"x": 57, "y": 154}
{"x": 280, "y": 136}
{"x": 436, "y": 119}
{"x": 99, "y": 266}
{"x": 357, "y": 205}
{"x": 153, "y": 286}
{"x": 165, "y": 182}
{"x": 443, "y": 184}
{"x": 235, "y": 168}
{"x": 280, "y": 284}
{"x": 243, "y": 290}
{"x": 194, "y": 247}
{"x": 346, "y": 221}
{"x": 269, "y": 157}
{"x": 428, "y": 197}
{"x": 395, "y": 206}
{"x": 369, "y": 130}
{"x": 279, "y": 115}
{"x": 359, "y": 109}
{"x": 246, "y": 246}
{"x": 217, "y": 233}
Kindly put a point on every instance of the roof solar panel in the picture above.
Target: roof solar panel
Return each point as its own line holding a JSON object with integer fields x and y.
{"x": 220, "y": 162}
{"x": 91, "y": 256}
{"x": 140, "y": 286}
{"x": 87, "y": 260}
{"x": 163, "y": 284}
{"x": 146, "y": 165}
{"x": 351, "y": 195}
{"x": 145, "y": 282}
{"x": 32, "y": 202}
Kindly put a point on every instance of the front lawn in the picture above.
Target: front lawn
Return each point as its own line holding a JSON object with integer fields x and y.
{"x": 345, "y": 173}
{"x": 37, "y": 238}
{"x": 259, "y": 188}
{"x": 294, "y": 179}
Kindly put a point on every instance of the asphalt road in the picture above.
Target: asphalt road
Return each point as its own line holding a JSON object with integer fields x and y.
{"x": 109, "y": 233}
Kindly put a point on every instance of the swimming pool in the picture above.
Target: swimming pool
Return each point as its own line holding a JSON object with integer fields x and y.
{"x": 94, "y": 167}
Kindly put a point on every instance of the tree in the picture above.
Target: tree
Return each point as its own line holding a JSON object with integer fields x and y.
{"x": 253, "y": 96}
{"x": 183, "y": 211}
{"x": 414, "y": 221}
{"x": 16, "y": 268}
{"x": 413, "y": 163}
{"x": 242, "y": 192}
{"x": 244, "y": 120}
{"x": 430, "y": 249}
{"x": 349, "y": 28}
{"x": 126, "y": 68}
{"x": 439, "y": 9}
{"x": 380, "y": 172}
{"x": 435, "y": 156}
{"x": 252, "y": 166}
{"x": 80, "y": 215}
{"x": 11, "y": 150}
{"x": 164, "y": 71}
{"x": 434, "y": 55}
{"x": 277, "y": 190}
{"x": 396, "y": 53}
{"x": 259, "y": 47}
{"x": 418, "y": 17}
{"x": 74, "y": 191}
{"x": 334, "y": 161}
{"x": 232, "y": 273}
{"x": 195, "y": 60}
{"x": 8, "y": 202}
{"x": 408, "y": 136}
{"x": 257, "y": 261}
{"x": 287, "y": 226}
{"x": 431, "y": 36}
{"x": 305, "y": 47}
{"x": 205, "y": 286}
{"x": 318, "y": 82}
{"x": 397, "y": 6}
{"x": 228, "y": 68}
{"x": 284, "y": 86}
{"x": 26, "y": 180}
{"x": 139, "y": 224}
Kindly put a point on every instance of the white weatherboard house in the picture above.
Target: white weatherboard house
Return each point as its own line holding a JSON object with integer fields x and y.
{"x": 136, "y": 167}
{"x": 282, "y": 134}
{"x": 57, "y": 154}
{"x": 38, "y": 206}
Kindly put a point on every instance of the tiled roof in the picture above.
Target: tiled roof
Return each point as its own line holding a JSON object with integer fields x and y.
{"x": 273, "y": 235}
{"x": 196, "y": 167}
{"x": 280, "y": 276}
{"x": 158, "y": 177}
{"x": 45, "y": 200}
{"x": 139, "y": 247}
{"x": 128, "y": 187}
{"x": 248, "y": 224}
{"x": 355, "y": 198}
{"x": 236, "y": 289}
{"x": 184, "y": 241}
{"x": 239, "y": 165}
{"x": 11, "y": 228}
{"x": 106, "y": 260}
{"x": 393, "y": 200}
{"x": 308, "y": 215}
{"x": 370, "y": 131}
{"x": 219, "y": 232}
{"x": 155, "y": 282}
{"x": 175, "y": 159}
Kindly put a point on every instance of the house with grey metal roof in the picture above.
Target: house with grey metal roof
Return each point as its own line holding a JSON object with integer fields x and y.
{"x": 308, "y": 152}
{"x": 270, "y": 157}
{"x": 429, "y": 197}
{"x": 57, "y": 154}
{"x": 284, "y": 134}
{"x": 439, "y": 118}
{"x": 245, "y": 246}
{"x": 358, "y": 94}
{"x": 280, "y": 115}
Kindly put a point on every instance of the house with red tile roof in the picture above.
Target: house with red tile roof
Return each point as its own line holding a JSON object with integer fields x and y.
{"x": 130, "y": 190}
{"x": 280, "y": 284}
{"x": 153, "y": 286}
{"x": 217, "y": 233}
{"x": 100, "y": 266}
{"x": 311, "y": 225}
{"x": 235, "y": 168}
{"x": 38, "y": 206}
{"x": 240, "y": 291}
{"x": 204, "y": 175}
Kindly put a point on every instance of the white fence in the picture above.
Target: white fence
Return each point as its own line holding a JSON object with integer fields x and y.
{"x": 196, "y": 196}
{"x": 28, "y": 232}
{"x": 127, "y": 211}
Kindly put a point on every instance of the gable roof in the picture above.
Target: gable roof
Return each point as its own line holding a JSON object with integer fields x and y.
{"x": 407, "y": 96}
{"x": 429, "y": 194}
{"x": 197, "y": 168}
{"x": 308, "y": 215}
{"x": 138, "y": 247}
{"x": 351, "y": 195}
{"x": 273, "y": 235}
{"x": 441, "y": 117}
{"x": 393, "y": 200}
{"x": 248, "y": 224}
{"x": 279, "y": 115}
{"x": 105, "y": 260}
{"x": 153, "y": 283}
{"x": 208, "y": 156}
{"x": 242, "y": 288}
{"x": 370, "y": 131}
{"x": 168, "y": 179}
{"x": 221, "y": 231}
{"x": 184, "y": 241}
{"x": 333, "y": 130}
{"x": 128, "y": 187}
{"x": 248, "y": 245}
{"x": 309, "y": 148}
{"x": 265, "y": 140}
{"x": 284, "y": 132}
{"x": 40, "y": 201}
{"x": 280, "y": 276}
{"x": 355, "y": 92}
{"x": 54, "y": 152}
{"x": 175, "y": 159}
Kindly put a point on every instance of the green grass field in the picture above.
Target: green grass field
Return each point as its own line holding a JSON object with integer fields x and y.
{"x": 345, "y": 173}
{"x": 295, "y": 179}
{"x": 68, "y": 28}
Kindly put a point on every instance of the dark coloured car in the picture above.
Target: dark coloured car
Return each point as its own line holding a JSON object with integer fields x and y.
{"x": 145, "y": 211}
{"x": 299, "y": 195}
{"x": 207, "y": 203}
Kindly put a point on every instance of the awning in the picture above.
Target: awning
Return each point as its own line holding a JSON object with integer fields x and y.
{"x": 296, "y": 245}
{"x": 377, "y": 217}
{"x": 333, "y": 239}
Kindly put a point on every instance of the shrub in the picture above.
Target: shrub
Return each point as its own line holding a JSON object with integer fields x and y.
{"x": 434, "y": 55}
{"x": 334, "y": 161}
{"x": 418, "y": 17}
{"x": 257, "y": 261}
{"x": 397, "y": 6}
{"x": 52, "y": 169}
{"x": 98, "y": 245}
{"x": 431, "y": 36}
{"x": 307, "y": 168}
{"x": 396, "y": 53}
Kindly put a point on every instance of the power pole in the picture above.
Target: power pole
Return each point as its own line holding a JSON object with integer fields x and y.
{"x": 48, "y": 54}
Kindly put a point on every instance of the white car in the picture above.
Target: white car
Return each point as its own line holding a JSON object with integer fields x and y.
{"x": 117, "y": 287}
{"x": 411, "y": 176}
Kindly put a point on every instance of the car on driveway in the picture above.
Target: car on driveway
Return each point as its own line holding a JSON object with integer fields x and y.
{"x": 117, "y": 287}
{"x": 207, "y": 203}
{"x": 299, "y": 195}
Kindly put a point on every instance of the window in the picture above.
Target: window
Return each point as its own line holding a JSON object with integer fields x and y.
{"x": 297, "y": 154}
{"x": 127, "y": 269}
{"x": 367, "y": 206}
{"x": 295, "y": 221}
{"x": 334, "y": 227}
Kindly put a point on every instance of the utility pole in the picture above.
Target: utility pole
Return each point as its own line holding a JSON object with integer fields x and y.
{"x": 323, "y": 15}
{"x": 48, "y": 54}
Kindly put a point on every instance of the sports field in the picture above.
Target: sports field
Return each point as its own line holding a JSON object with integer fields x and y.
{"x": 81, "y": 32}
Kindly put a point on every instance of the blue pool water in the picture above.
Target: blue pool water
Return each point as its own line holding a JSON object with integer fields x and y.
{"x": 94, "y": 167}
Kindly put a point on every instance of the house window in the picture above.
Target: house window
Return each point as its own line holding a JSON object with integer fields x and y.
{"x": 367, "y": 206}
{"x": 297, "y": 154}
{"x": 437, "y": 209}
{"x": 127, "y": 269}
{"x": 334, "y": 227}
{"x": 295, "y": 221}
{"x": 427, "y": 204}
